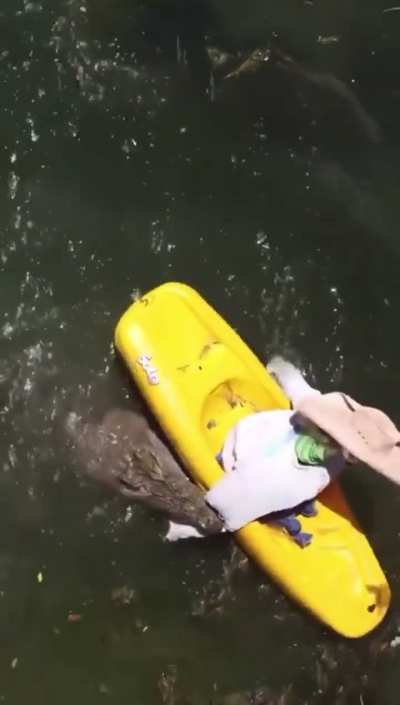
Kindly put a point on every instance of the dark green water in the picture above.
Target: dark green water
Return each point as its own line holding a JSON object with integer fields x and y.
{"x": 118, "y": 172}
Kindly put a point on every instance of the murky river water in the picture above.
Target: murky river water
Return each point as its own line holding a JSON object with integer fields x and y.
{"x": 124, "y": 165}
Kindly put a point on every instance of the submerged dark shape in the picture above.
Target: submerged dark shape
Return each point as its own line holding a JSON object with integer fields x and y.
{"x": 332, "y": 87}
{"x": 321, "y": 93}
{"x": 124, "y": 453}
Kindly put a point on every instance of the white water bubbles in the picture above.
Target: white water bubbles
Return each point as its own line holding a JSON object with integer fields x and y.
{"x": 277, "y": 301}
{"x": 13, "y": 183}
{"x": 23, "y": 377}
{"x": 264, "y": 246}
{"x": 34, "y": 136}
{"x": 33, "y": 312}
{"x": 73, "y": 60}
{"x": 295, "y": 293}
{"x": 20, "y": 222}
{"x": 335, "y": 365}
{"x": 129, "y": 147}
{"x": 58, "y": 32}
{"x": 30, "y": 404}
{"x": 30, "y": 7}
{"x": 157, "y": 237}
{"x": 135, "y": 294}
{"x": 159, "y": 243}
{"x": 28, "y": 385}
{"x": 20, "y": 229}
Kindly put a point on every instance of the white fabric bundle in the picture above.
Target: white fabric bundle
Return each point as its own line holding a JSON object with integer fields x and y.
{"x": 263, "y": 474}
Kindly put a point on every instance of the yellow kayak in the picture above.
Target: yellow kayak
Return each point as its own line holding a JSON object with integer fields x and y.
{"x": 199, "y": 378}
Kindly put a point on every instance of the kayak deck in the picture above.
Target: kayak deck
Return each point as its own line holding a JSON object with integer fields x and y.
{"x": 199, "y": 378}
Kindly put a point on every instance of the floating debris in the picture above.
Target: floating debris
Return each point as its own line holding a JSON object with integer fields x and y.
{"x": 141, "y": 626}
{"x": 330, "y": 39}
{"x": 39, "y": 577}
{"x": 74, "y": 617}
{"x": 14, "y": 663}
